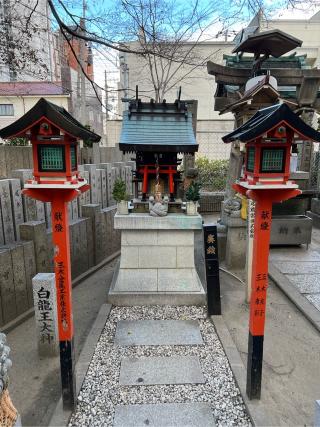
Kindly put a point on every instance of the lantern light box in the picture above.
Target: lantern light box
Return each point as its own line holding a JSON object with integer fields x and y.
{"x": 54, "y": 136}
{"x": 269, "y": 137}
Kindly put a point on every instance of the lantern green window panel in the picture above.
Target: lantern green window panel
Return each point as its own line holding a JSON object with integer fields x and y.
{"x": 73, "y": 154}
{"x": 272, "y": 160}
{"x": 51, "y": 158}
{"x": 250, "y": 159}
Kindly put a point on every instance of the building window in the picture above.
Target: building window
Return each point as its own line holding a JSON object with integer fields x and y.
{"x": 51, "y": 158}
{"x": 250, "y": 159}
{"x": 6, "y": 110}
{"x": 272, "y": 160}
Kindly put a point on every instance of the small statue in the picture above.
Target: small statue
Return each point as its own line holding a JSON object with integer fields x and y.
{"x": 233, "y": 207}
{"x": 157, "y": 206}
{"x": 8, "y": 413}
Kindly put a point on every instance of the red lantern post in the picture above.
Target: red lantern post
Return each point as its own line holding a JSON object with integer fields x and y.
{"x": 269, "y": 136}
{"x": 54, "y": 135}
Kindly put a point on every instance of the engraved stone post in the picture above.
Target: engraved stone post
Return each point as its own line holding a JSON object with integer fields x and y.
{"x": 45, "y": 308}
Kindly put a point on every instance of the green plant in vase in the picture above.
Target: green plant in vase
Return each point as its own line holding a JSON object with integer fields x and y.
{"x": 121, "y": 196}
{"x": 193, "y": 196}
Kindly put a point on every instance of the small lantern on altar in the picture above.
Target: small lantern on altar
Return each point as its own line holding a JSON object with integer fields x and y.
{"x": 54, "y": 136}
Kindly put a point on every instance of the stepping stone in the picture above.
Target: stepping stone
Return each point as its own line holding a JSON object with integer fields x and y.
{"x": 157, "y": 332}
{"x": 161, "y": 370}
{"x": 164, "y": 415}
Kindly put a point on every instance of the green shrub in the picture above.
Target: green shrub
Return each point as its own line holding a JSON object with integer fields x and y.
{"x": 119, "y": 190}
{"x": 212, "y": 174}
{"x": 17, "y": 141}
{"x": 193, "y": 192}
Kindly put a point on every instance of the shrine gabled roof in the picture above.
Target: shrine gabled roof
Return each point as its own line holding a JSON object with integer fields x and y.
{"x": 267, "y": 119}
{"x": 157, "y": 127}
{"x": 55, "y": 114}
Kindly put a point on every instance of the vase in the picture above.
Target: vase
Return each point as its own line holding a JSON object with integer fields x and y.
{"x": 192, "y": 208}
{"x": 122, "y": 208}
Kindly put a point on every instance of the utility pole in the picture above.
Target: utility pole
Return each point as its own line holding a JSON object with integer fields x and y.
{"x": 83, "y": 64}
{"x": 106, "y": 90}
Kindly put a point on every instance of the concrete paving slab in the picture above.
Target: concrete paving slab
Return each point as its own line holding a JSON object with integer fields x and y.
{"x": 314, "y": 299}
{"x": 295, "y": 267}
{"x": 307, "y": 284}
{"x": 158, "y": 332}
{"x": 161, "y": 370}
{"x": 164, "y": 415}
{"x": 293, "y": 254}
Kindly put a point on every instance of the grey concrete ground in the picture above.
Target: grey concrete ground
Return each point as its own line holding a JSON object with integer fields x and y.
{"x": 291, "y": 374}
{"x": 35, "y": 383}
{"x": 301, "y": 266}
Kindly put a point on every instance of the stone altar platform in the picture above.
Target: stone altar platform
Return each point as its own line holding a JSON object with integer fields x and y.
{"x": 157, "y": 261}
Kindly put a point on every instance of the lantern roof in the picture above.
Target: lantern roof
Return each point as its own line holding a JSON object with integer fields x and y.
{"x": 57, "y": 115}
{"x": 268, "y": 118}
{"x": 157, "y": 127}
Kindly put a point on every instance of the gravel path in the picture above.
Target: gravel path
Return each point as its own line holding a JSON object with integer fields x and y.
{"x": 101, "y": 392}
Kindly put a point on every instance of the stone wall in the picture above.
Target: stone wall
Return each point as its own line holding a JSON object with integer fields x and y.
{"x": 16, "y": 157}
{"x": 26, "y": 239}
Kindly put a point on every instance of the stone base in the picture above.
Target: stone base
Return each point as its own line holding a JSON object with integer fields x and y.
{"x": 157, "y": 261}
{"x": 315, "y": 219}
{"x": 141, "y": 287}
{"x": 291, "y": 230}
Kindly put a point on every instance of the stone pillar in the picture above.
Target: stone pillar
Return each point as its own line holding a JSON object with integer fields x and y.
{"x": 33, "y": 209}
{"x": 92, "y": 211}
{"x": 128, "y": 180}
{"x": 30, "y": 268}
{"x": 236, "y": 242}
{"x": 92, "y": 169}
{"x": 19, "y": 278}
{"x": 84, "y": 198}
{"x": 6, "y": 210}
{"x": 17, "y": 207}
{"x": 7, "y": 295}
{"x": 45, "y": 308}
{"x": 36, "y": 231}
{"x": 103, "y": 179}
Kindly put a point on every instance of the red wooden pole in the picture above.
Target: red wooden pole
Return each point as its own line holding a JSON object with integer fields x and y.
{"x": 62, "y": 266}
{"x": 263, "y": 212}
{"x": 262, "y": 228}
{"x": 59, "y": 199}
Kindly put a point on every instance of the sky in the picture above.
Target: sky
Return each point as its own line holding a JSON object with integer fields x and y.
{"x": 107, "y": 60}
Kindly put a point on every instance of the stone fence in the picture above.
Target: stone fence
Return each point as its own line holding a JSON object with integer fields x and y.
{"x": 210, "y": 201}
{"x": 26, "y": 239}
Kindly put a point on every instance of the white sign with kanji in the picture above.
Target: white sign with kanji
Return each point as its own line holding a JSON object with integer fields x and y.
{"x": 45, "y": 308}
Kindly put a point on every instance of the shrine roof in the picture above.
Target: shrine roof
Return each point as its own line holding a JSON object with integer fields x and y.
{"x": 157, "y": 127}
{"x": 268, "y": 118}
{"x": 271, "y": 42}
{"x": 56, "y": 115}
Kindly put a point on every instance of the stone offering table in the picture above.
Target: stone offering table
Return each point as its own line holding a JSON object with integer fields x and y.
{"x": 157, "y": 261}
